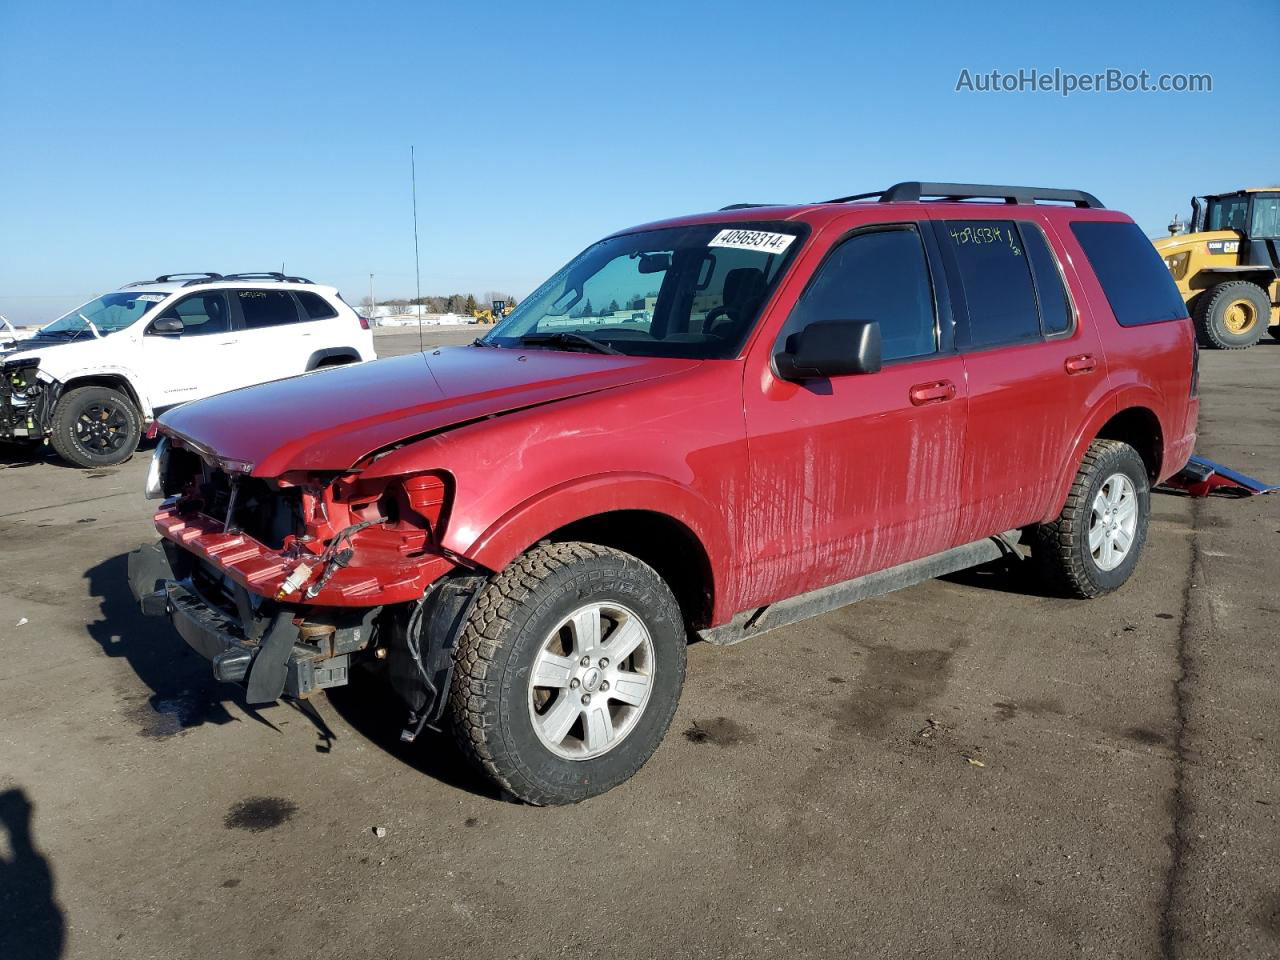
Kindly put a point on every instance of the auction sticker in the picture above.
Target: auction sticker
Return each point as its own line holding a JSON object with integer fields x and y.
{"x": 762, "y": 240}
{"x": 151, "y": 297}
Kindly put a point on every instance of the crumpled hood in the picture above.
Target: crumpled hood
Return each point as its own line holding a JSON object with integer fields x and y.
{"x": 61, "y": 352}
{"x": 330, "y": 419}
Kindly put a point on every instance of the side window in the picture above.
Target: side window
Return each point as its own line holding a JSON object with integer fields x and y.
{"x": 1055, "y": 308}
{"x": 267, "y": 308}
{"x": 315, "y": 306}
{"x": 997, "y": 284}
{"x": 201, "y": 313}
{"x": 881, "y": 276}
{"x": 1134, "y": 278}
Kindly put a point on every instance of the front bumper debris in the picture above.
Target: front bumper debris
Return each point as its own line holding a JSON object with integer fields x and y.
{"x": 1201, "y": 477}
{"x": 273, "y": 650}
{"x": 26, "y": 401}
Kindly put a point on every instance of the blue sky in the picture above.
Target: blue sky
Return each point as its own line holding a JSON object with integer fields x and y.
{"x": 140, "y": 138}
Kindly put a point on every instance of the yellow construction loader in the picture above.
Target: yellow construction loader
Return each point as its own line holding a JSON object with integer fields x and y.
{"x": 1227, "y": 266}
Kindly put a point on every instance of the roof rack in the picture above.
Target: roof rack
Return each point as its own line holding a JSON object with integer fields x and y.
{"x": 746, "y": 206}
{"x": 914, "y": 191}
{"x": 218, "y": 278}
{"x": 168, "y": 277}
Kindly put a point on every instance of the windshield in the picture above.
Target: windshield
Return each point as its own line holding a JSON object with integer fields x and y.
{"x": 1266, "y": 218}
{"x": 107, "y": 314}
{"x": 690, "y": 292}
{"x": 1228, "y": 213}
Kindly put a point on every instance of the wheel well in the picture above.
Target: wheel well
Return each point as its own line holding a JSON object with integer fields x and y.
{"x": 119, "y": 384}
{"x": 664, "y": 543}
{"x": 332, "y": 357}
{"x": 1140, "y": 429}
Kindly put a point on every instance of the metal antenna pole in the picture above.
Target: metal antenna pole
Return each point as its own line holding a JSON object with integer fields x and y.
{"x": 417, "y": 270}
{"x": 373, "y": 304}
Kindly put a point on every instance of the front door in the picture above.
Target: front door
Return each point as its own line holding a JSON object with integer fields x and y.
{"x": 196, "y": 362}
{"x": 859, "y": 473}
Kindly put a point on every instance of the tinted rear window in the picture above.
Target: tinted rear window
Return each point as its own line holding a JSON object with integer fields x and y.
{"x": 267, "y": 308}
{"x": 997, "y": 284}
{"x": 1134, "y": 278}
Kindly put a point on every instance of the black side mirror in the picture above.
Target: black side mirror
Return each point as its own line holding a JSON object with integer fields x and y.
{"x": 166, "y": 326}
{"x": 830, "y": 348}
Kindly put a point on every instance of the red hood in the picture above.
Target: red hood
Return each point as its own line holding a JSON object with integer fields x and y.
{"x": 330, "y": 419}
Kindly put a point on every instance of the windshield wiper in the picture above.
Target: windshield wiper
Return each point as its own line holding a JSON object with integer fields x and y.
{"x": 565, "y": 338}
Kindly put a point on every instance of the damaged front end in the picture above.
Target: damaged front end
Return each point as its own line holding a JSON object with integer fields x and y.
{"x": 283, "y": 583}
{"x": 27, "y": 399}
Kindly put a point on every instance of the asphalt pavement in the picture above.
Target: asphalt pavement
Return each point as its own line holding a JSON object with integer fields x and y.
{"x": 964, "y": 768}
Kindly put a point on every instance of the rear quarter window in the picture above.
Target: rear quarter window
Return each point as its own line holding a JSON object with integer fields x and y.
{"x": 1134, "y": 278}
{"x": 316, "y": 306}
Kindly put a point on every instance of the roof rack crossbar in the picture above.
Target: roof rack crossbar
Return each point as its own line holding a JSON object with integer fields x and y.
{"x": 168, "y": 277}
{"x": 913, "y": 191}
{"x": 278, "y": 277}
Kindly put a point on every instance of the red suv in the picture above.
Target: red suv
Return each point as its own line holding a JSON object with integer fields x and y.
{"x": 705, "y": 427}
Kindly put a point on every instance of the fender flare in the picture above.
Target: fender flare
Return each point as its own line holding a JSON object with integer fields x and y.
{"x": 533, "y": 519}
{"x": 1125, "y": 397}
{"x": 126, "y": 376}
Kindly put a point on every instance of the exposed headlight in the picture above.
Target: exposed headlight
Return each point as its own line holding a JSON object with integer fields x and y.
{"x": 1178, "y": 264}
{"x": 154, "y": 488}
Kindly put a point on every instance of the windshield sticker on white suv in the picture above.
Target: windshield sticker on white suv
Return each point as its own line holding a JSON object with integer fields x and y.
{"x": 151, "y": 297}
{"x": 752, "y": 240}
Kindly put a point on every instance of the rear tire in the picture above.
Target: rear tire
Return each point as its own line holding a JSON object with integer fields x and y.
{"x": 1232, "y": 315}
{"x": 95, "y": 427}
{"x": 568, "y": 672}
{"x": 1097, "y": 540}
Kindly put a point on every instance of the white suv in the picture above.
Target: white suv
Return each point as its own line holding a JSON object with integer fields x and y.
{"x": 89, "y": 382}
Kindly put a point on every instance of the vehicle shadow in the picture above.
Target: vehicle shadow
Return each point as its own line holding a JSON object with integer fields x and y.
{"x": 14, "y": 455}
{"x": 1011, "y": 573}
{"x": 184, "y": 693}
{"x": 372, "y": 708}
{"x": 32, "y": 925}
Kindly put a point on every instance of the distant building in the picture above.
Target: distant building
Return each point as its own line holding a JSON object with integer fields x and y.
{"x": 394, "y": 315}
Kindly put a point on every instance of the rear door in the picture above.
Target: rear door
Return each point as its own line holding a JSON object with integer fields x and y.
{"x": 274, "y": 338}
{"x": 198, "y": 362}
{"x": 1034, "y": 372}
{"x": 858, "y": 473}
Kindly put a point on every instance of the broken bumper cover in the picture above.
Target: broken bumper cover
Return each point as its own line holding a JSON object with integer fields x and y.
{"x": 391, "y": 577}
{"x": 268, "y": 656}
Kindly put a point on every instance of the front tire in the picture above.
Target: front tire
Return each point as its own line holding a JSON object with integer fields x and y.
{"x": 95, "y": 427}
{"x": 1094, "y": 545}
{"x": 1232, "y": 315}
{"x": 568, "y": 672}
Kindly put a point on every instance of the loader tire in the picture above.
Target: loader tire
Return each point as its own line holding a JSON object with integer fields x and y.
{"x": 1233, "y": 315}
